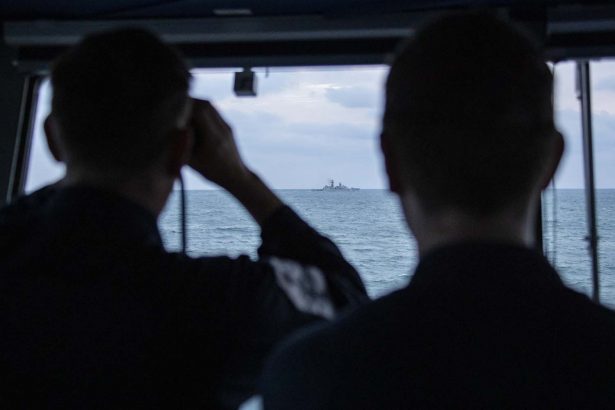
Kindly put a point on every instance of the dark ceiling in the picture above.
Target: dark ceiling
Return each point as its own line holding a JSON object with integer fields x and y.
{"x": 131, "y": 9}
{"x": 222, "y": 33}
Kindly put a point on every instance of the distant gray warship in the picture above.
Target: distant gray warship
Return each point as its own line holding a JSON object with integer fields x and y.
{"x": 331, "y": 187}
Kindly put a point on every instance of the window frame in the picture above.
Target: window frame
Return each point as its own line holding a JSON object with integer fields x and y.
{"x": 311, "y": 45}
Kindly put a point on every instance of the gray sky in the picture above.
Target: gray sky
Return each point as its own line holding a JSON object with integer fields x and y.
{"x": 308, "y": 125}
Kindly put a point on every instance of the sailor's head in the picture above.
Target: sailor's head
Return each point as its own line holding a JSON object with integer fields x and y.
{"x": 468, "y": 123}
{"x": 118, "y": 97}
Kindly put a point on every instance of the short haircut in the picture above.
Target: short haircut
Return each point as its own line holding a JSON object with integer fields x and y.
{"x": 470, "y": 112}
{"x": 116, "y": 96}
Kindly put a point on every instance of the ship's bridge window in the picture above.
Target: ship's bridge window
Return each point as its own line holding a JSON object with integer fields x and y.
{"x": 310, "y": 126}
{"x": 311, "y": 134}
{"x": 565, "y": 224}
{"x": 603, "y": 88}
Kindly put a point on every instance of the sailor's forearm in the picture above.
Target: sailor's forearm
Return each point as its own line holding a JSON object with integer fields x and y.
{"x": 258, "y": 199}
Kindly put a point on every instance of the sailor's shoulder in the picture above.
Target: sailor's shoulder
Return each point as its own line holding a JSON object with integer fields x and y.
{"x": 348, "y": 330}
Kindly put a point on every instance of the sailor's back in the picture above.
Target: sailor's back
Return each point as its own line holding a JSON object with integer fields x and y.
{"x": 96, "y": 314}
{"x": 480, "y": 325}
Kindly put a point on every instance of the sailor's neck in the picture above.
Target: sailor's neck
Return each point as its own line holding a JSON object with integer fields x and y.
{"x": 145, "y": 190}
{"x": 434, "y": 230}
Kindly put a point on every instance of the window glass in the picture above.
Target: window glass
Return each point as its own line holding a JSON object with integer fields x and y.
{"x": 603, "y": 107}
{"x": 564, "y": 207}
{"x": 42, "y": 168}
{"x": 564, "y": 226}
{"x": 310, "y": 125}
{"x": 307, "y": 126}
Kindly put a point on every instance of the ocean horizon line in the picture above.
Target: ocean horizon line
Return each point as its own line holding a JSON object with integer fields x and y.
{"x": 376, "y": 189}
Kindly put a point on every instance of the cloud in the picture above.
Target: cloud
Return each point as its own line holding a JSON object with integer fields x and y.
{"x": 264, "y": 131}
{"x": 309, "y": 125}
{"x": 217, "y": 84}
{"x": 43, "y": 169}
{"x": 291, "y": 134}
{"x": 570, "y": 173}
{"x": 292, "y": 154}
{"x": 354, "y": 97}
{"x": 605, "y": 84}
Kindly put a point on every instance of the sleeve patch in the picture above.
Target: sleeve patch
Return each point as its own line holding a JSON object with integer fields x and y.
{"x": 305, "y": 286}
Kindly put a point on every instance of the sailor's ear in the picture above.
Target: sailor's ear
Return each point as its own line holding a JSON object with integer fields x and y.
{"x": 52, "y": 136}
{"x": 391, "y": 163}
{"x": 180, "y": 150}
{"x": 554, "y": 156}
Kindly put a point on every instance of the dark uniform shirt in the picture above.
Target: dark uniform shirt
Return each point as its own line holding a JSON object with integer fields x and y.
{"x": 94, "y": 313}
{"x": 479, "y": 326}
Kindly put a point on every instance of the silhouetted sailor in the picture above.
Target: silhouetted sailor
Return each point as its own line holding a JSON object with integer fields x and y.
{"x": 94, "y": 313}
{"x": 469, "y": 144}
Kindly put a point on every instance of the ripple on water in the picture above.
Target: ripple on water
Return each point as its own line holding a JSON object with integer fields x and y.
{"x": 368, "y": 227}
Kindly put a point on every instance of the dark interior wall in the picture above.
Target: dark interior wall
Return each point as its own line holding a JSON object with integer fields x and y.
{"x": 123, "y": 9}
{"x": 11, "y": 92}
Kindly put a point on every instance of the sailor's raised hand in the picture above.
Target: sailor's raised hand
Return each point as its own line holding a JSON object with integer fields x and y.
{"x": 215, "y": 154}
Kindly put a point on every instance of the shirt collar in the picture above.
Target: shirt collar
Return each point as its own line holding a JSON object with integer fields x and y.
{"x": 484, "y": 264}
{"x": 109, "y": 210}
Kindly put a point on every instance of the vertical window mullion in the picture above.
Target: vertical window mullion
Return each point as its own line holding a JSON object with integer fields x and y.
{"x": 584, "y": 95}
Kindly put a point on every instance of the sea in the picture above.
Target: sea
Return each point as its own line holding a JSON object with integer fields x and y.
{"x": 369, "y": 228}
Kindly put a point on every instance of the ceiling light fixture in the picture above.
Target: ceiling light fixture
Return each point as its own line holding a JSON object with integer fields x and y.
{"x": 232, "y": 12}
